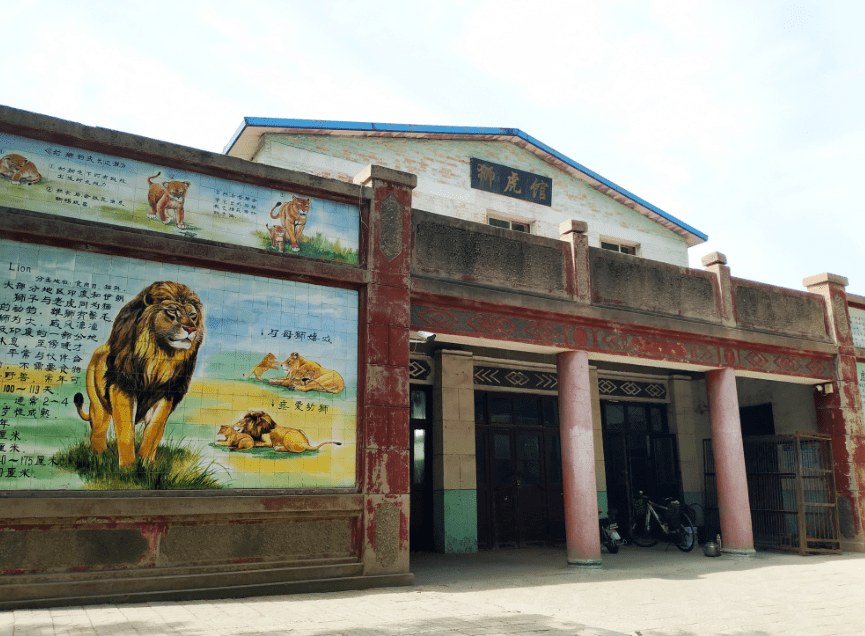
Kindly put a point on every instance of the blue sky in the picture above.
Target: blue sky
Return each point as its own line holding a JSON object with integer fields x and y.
{"x": 743, "y": 119}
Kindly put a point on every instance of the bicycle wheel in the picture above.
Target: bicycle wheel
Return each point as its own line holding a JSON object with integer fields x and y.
{"x": 641, "y": 533}
{"x": 685, "y": 538}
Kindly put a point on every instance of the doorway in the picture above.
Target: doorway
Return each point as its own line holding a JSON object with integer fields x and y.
{"x": 640, "y": 454}
{"x": 421, "y": 490}
{"x": 519, "y": 470}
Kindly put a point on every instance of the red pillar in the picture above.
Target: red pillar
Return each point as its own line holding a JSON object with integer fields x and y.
{"x": 839, "y": 413}
{"x": 736, "y": 533}
{"x": 383, "y": 393}
{"x": 578, "y": 459}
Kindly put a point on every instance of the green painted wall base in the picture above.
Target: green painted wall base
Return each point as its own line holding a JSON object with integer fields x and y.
{"x": 455, "y": 515}
{"x": 602, "y": 501}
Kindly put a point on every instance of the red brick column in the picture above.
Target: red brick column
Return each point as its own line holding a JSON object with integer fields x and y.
{"x": 839, "y": 413}
{"x": 383, "y": 393}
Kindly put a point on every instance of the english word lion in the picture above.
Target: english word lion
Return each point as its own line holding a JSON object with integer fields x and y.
{"x": 169, "y": 195}
{"x": 19, "y": 169}
{"x": 262, "y": 428}
{"x": 143, "y": 372}
{"x": 292, "y": 216}
{"x": 305, "y": 375}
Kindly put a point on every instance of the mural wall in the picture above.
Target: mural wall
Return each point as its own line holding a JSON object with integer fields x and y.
{"x": 45, "y": 177}
{"x": 118, "y": 373}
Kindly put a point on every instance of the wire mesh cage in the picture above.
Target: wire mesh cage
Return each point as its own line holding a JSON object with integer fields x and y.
{"x": 791, "y": 492}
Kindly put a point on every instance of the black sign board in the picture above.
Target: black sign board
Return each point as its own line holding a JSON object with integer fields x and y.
{"x": 510, "y": 182}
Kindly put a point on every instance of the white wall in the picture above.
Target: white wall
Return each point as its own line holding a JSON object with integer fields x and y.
{"x": 443, "y": 171}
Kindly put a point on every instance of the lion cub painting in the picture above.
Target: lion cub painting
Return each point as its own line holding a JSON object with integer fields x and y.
{"x": 305, "y": 375}
{"x": 234, "y": 439}
{"x": 277, "y": 237}
{"x": 144, "y": 370}
{"x": 169, "y": 195}
{"x": 19, "y": 170}
{"x": 267, "y": 363}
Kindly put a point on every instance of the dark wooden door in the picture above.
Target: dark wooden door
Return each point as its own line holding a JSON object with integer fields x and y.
{"x": 519, "y": 470}
{"x": 555, "y": 487}
{"x": 504, "y": 488}
{"x": 531, "y": 500}
{"x": 519, "y": 488}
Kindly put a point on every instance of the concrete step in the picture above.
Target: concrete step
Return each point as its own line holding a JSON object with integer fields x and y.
{"x": 208, "y": 582}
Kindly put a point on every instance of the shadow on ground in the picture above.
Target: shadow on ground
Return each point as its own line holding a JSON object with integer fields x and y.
{"x": 519, "y": 567}
{"x": 502, "y": 625}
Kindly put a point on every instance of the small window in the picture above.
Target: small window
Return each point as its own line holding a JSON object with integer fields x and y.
{"x": 619, "y": 247}
{"x": 419, "y": 468}
{"x": 517, "y": 226}
{"x": 418, "y": 404}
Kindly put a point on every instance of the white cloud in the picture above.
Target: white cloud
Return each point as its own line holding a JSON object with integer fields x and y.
{"x": 741, "y": 118}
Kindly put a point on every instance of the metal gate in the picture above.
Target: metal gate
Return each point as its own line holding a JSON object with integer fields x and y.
{"x": 791, "y": 489}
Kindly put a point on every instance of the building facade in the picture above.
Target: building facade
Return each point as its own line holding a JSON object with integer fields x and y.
{"x": 285, "y": 367}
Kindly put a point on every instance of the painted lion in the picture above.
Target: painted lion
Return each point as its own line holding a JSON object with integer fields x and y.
{"x": 267, "y": 363}
{"x": 262, "y": 428}
{"x": 143, "y": 372}
{"x": 256, "y": 424}
{"x": 305, "y": 375}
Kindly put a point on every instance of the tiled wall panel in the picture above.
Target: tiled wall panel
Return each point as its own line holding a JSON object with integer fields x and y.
{"x": 57, "y": 306}
{"x": 80, "y": 184}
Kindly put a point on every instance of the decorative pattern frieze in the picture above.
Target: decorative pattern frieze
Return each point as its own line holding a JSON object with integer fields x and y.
{"x": 517, "y": 379}
{"x": 617, "y": 342}
{"x": 632, "y": 389}
{"x": 420, "y": 370}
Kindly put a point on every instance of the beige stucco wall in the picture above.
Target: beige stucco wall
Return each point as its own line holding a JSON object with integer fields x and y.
{"x": 792, "y": 404}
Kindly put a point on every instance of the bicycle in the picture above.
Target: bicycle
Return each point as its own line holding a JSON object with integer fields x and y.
{"x": 673, "y": 521}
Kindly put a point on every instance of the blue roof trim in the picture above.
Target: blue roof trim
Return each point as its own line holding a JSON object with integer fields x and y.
{"x": 322, "y": 124}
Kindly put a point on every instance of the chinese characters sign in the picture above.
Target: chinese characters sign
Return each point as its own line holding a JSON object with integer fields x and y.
{"x": 510, "y": 182}
{"x": 70, "y": 182}
{"x": 857, "y": 325}
{"x": 258, "y": 377}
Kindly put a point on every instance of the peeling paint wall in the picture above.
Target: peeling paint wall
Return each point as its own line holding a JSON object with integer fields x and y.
{"x": 443, "y": 172}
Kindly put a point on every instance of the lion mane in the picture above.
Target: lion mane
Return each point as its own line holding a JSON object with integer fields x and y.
{"x": 144, "y": 370}
{"x": 262, "y": 428}
{"x": 256, "y": 424}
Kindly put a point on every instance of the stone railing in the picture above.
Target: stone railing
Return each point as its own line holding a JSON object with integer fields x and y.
{"x": 467, "y": 253}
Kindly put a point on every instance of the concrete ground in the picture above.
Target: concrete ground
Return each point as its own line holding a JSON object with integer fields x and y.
{"x": 639, "y": 592}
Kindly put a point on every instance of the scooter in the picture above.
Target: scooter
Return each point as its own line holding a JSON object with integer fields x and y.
{"x": 610, "y": 537}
